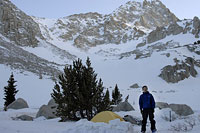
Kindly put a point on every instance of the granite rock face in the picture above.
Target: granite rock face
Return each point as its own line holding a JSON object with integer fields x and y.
{"x": 17, "y": 26}
{"x": 196, "y": 25}
{"x": 180, "y": 71}
{"x": 128, "y": 22}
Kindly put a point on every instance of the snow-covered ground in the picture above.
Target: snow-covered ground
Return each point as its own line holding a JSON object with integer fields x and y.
{"x": 41, "y": 125}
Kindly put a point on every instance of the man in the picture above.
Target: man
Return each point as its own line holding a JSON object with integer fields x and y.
{"x": 147, "y": 105}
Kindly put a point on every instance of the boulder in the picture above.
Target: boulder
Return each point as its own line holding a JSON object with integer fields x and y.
{"x": 162, "y": 105}
{"x": 47, "y": 112}
{"x": 52, "y": 103}
{"x": 24, "y": 118}
{"x": 123, "y": 106}
{"x": 181, "y": 109}
{"x": 18, "y": 104}
{"x": 132, "y": 120}
{"x": 134, "y": 86}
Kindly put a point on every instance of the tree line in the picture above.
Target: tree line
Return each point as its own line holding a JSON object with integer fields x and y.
{"x": 78, "y": 93}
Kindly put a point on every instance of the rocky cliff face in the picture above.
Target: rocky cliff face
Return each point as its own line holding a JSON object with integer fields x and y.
{"x": 148, "y": 14}
{"x": 129, "y": 22}
{"x": 180, "y": 71}
{"x": 17, "y": 26}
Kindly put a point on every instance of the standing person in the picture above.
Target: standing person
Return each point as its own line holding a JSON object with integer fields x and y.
{"x": 147, "y": 105}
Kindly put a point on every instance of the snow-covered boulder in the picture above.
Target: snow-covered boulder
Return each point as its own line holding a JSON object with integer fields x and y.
{"x": 162, "y": 105}
{"x": 18, "y": 104}
{"x": 123, "y": 106}
{"x": 24, "y": 118}
{"x": 181, "y": 109}
{"x": 47, "y": 112}
{"x": 132, "y": 120}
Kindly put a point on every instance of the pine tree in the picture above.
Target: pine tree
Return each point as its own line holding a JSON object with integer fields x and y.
{"x": 78, "y": 93}
{"x": 107, "y": 101}
{"x": 10, "y": 91}
{"x": 116, "y": 96}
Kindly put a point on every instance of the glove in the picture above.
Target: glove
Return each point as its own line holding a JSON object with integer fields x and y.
{"x": 141, "y": 111}
{"x": 153, "y": 110}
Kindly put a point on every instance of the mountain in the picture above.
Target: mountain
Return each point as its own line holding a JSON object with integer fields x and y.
{"x": 138, "y": 43}
{"x": 129, "y": 22}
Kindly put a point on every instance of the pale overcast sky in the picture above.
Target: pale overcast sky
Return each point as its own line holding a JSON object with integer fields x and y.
{"x": 61, "y": 8}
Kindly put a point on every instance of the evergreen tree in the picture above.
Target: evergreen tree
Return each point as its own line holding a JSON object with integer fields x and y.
{"x": 10, "y": 91}
{"x": 78, "y": 93}
{"x": 107, "y": 101}
{"x": 116, "y": 96}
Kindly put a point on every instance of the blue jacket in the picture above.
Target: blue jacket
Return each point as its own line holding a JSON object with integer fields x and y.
{"x": 146, "y": 101}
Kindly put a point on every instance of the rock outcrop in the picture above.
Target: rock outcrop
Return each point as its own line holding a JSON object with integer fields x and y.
{"x": 162, "y": 32}
{"x": 180, "y": 71}
{"x": 132, "y": 120}
{"x": 17, "y": 26}
{"x": 196, "y": 25}
{"x": 129, "y": 22}
{"x": 18, "y": 104}
{"x": 17, "y": 58}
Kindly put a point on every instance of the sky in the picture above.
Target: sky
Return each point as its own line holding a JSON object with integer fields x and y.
{"x": 61, "y": 8}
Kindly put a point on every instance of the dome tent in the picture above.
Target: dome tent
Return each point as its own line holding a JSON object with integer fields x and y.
{"x": 106, "y": 116}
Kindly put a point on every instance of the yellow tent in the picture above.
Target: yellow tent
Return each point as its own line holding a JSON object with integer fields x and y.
{"x": 105, "y": 117}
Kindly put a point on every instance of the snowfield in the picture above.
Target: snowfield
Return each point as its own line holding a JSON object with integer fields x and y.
{"x": 41, "y": 125}
{"x": 113, "y": 70}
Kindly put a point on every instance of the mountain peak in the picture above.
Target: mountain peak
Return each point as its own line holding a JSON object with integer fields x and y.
{"x": 147, "y": 13}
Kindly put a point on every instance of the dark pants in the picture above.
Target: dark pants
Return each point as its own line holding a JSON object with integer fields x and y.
{"x": 145, "y": 114}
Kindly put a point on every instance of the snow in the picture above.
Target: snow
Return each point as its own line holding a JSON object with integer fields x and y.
{"x": 42, "y": 125}
{"x": 34, "y": 90}
{"x": 124, "y": 72}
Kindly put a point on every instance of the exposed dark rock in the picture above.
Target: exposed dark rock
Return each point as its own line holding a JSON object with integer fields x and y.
{"x": 17, "y": 58}
{"x": 17, "y": 26}
{"x": 158, "y": 34}
{"x": 132, "y": 120}
{"x": 194, "y": 48}
{"x": 134, "y": 86}
{"x": 178, "y": 72}
{"x": 174, "y": 29}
